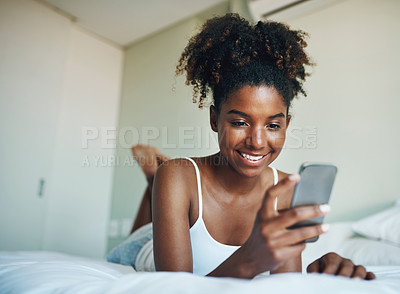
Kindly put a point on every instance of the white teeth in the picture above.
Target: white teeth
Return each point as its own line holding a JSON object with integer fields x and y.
{"x": 252, "y": 158}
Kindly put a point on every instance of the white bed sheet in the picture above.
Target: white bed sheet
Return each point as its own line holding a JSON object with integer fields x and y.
{"x": 47, "y": 272}
{"x": 50, "y": 272}
{"x": 388, "y": 282}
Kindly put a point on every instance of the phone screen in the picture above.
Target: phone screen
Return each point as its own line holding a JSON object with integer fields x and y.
{"x": 314, "y": 187}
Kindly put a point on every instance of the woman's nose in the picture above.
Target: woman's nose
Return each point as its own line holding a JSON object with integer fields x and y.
{"x": 256, "y": 138}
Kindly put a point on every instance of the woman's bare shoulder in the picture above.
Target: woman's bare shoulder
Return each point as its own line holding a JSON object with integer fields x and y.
{"x": 177, "y": 166}
{"x": 178, "y": 173}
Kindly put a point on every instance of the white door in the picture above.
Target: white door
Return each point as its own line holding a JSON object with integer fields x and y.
{"x": 32, "y": 61}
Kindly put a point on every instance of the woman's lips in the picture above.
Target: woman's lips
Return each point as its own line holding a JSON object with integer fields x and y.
{"x": 251, "y": 157}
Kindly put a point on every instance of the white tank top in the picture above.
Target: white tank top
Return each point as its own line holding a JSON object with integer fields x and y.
{"x": 206, "y": 251}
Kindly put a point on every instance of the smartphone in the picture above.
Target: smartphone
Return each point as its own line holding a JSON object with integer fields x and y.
{"x": 314, "y": 187}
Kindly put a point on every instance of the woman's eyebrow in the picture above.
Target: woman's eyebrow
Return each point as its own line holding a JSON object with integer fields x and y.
{"x": 276, "y": 115}
{"x": 234, "y": 111}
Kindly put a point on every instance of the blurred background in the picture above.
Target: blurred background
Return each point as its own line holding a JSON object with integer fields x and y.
{"x": 81, "y": 81}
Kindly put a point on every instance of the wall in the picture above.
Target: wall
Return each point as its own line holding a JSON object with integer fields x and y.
{"x": 352, "y": 103}
{"x": 55, "y": 81}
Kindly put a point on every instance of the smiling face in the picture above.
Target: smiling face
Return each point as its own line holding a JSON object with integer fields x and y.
{"x": 251, "y": 126}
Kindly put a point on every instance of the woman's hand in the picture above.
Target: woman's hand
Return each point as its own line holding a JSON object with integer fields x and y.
{"x": 334, "y": 264}
{"x": 271, "y": 243}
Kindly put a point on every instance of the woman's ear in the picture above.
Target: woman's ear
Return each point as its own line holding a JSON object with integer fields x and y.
{"x": 213, "y": 118}
{"x": 288, "y": 119}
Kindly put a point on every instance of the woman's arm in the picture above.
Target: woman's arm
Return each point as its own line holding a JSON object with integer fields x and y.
{"x": 290, "y": 266}
{"x": 170, "y": 206}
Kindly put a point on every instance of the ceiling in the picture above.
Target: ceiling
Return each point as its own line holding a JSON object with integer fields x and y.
{"x": 126, "y": 21}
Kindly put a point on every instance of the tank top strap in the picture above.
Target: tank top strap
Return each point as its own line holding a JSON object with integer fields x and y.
{"x": 275, "y": 172}
{"x": 199, "y": 193}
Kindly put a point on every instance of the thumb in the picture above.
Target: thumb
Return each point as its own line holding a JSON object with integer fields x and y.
{"x": 283, "y": 187}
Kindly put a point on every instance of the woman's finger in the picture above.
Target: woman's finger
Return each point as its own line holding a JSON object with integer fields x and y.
{"x": 370, "y": 276}
{"x": 359, "y": 272}
{"x": 314, "y": 267}
{"x": 330, "y": 263}
{"x": 284, "y": 186}
{"x": 299, "y": 235}
{"x": 346, "y": 268}
{"x": 293, "y": 216}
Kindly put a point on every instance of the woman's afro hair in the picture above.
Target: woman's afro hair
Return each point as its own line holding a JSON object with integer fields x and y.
{"x": 230, "y": 53}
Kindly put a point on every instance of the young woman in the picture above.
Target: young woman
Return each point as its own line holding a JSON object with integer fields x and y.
{"x": 227, "y": 214}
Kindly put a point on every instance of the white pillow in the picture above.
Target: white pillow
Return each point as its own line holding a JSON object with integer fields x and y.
{"x": 369, "y": 252}
{"x": 383, "y": 226}
{"x": 340, "y": 239}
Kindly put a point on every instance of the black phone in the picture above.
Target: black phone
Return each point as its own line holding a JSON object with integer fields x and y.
{"x": 314, "y": 187}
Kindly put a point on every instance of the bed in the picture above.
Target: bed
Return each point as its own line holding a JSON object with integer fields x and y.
{"x": 51, "y": 272}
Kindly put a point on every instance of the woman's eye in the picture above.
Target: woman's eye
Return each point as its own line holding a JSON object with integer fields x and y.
{"x": 238, "y": 123}
{"x": 273, "y": 126}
